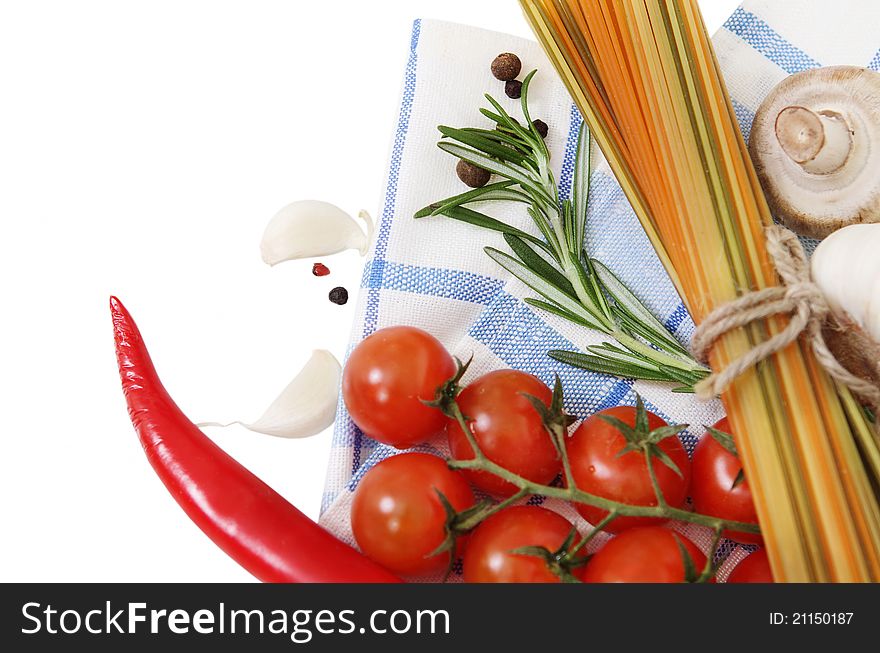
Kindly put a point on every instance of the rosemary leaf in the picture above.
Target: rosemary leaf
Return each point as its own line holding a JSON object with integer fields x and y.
{"x": 682, "y": 376}
{"x": 524, "y": 103}
{"x": 499, "y": 190}
{"x": 541, "y": 286}
{"x": 491, "y": 195}
{"x": 581, "y": 186}
{"x": 516, "y": 173}
{"x": 501, "y": 122}
{"x": 477, "y": 140}
{"x": 661, "y": 358}
{"x": 595, "y": 287}
{"x": 543, "y": 223}
{"x": 607, "y": 350}
{"x": 502, "y": 135}
{"x": 539, "y": 265}
{"x": 604, "y": 365}
{"x": 478, "y": 219}
{"x": 556, "y": 310}
{"x": 632, "y": 326}
{"x": 512, "y": 124}
{"x": 628, "y": 302}
{"x": 590, "y": 289}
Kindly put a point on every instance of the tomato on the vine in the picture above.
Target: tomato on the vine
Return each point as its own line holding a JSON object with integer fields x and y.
{"x": 397, "y": 516}
{"x": 387, "y": 378}
{"x": 753, "y": 569}
{"x": 646, "y": 554}
{"x": 718, "y": 487}
{"x": 507, "y": 428}
{"x": 489, "y": 558}
{"x": 612, "y": 465}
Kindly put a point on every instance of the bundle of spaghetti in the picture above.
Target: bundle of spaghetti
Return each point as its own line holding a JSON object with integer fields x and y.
{"x": 646, "y": 80}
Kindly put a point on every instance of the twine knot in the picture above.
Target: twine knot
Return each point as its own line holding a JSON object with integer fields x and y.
{"x": 807, "y": 292}
{"x": 797, "y": 296}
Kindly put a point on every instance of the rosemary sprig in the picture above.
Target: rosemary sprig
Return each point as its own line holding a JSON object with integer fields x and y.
{"x": 569, "y": 283}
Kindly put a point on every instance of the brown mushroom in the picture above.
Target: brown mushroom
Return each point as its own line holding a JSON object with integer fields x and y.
{"x": 815, "y": 143}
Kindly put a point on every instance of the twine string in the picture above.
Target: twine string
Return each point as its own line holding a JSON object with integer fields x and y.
{"x": 797, "y": 296}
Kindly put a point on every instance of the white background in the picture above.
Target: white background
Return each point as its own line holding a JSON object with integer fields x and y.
{"x": 143, "y": 148}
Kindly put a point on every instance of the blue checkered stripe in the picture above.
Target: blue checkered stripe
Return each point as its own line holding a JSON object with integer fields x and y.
{"x": 523, "y": 341}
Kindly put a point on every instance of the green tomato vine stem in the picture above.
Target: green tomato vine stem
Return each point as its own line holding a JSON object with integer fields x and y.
{"x": 471, "y": 520}
{"x": 572, "y": 493}
{"x": 661, "y": 499}
{"x": 600, "y": 527}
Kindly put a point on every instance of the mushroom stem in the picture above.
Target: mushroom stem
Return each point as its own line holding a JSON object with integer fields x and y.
{"x": 819, "y": 142}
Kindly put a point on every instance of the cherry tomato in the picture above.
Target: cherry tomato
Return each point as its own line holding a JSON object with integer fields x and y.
{"x": 646, "y": 554}
{"x": 488, "y": 557}
{"x": 753, "y": 569}
{"x": 714, "y": 471}
{"x": 508, "y": 429}
{"x": 385, "y": 380}
{"x": 397, "y": 516}
{"x": 598, "y": 468}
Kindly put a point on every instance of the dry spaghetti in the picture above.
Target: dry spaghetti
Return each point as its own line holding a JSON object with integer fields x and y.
{"x": 646, "y": 80}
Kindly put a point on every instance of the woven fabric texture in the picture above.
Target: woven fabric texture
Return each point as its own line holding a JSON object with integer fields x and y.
{"x": 433, "y": 273}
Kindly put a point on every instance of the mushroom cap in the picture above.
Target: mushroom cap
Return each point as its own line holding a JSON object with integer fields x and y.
{"x": 816, "y": 204}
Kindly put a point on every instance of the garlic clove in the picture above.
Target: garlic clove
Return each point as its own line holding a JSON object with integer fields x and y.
{"x": 846, "y": 267}
{"x": 306, "y": 406}
{"x": 310, "y": 228}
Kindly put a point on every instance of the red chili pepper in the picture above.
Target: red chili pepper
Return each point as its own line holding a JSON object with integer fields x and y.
{"x": 246, "y": 518}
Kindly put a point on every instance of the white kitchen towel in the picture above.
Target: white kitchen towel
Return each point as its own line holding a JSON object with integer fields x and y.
{"x": 432, "y": 273}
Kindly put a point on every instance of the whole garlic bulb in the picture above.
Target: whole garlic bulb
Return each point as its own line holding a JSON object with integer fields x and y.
{"x": 846, "y": 268}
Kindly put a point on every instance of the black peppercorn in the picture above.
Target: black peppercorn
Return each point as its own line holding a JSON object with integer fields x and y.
{"x": 473, "y": 176}
{"x": 339, "y": 295}
{"x": 506, "y": 66}
{"x": 513, "y": 88}
{"x": 540, "y": 127}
